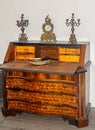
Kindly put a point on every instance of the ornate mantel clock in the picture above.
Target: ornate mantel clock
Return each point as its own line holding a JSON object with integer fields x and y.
{"x": 48, "y": 34}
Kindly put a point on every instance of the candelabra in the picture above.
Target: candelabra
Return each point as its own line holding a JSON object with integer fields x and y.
{"x": 22, "y": 24}
{"x": 72, "y": 23}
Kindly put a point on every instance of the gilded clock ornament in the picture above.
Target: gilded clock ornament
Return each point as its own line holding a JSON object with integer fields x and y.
{"x": 48, "y": 34}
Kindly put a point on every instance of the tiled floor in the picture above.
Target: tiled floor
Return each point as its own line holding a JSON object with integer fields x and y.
{"x": 27, "y": 121}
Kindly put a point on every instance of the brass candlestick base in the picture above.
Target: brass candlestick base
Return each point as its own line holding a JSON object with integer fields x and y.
{"x": 72, "y": 38}
{"x": 23, "y": 37}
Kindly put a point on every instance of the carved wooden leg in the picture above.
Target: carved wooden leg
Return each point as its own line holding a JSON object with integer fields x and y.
{"x": 20, "y": 112}
{"x": 79, "y": 123}
{"x": 8, "y": 112}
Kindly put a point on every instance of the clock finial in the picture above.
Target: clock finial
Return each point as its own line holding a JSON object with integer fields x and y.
{"x": 47, "y": 19}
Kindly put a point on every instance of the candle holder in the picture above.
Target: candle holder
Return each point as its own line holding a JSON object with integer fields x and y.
{"x": 22, "y": 24}
{"x": 72, "y": 23}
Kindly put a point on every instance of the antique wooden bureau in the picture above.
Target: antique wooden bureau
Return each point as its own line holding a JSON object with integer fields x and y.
{"x": 60, "y": 87}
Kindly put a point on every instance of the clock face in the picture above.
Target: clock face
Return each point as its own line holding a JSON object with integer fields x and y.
{"x": 48, "y": 28}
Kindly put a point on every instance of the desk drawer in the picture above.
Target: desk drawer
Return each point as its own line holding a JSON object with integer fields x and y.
{"x": 42, "y": 86}
{"x": 74, "y": 51}
{"x": 69, "y": 54}
{"x": 69, "y": 58}
{"x": 43, "y": 109}
{"x": 24, "y": 56}
{"x": 24, "y": 52}
{"x": 25, "y": 49}
{"x": 43, "y": 98}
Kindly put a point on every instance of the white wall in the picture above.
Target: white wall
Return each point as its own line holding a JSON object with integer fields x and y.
{"x": 36, "y": 10}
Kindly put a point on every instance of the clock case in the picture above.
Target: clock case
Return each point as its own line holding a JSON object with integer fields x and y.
{"x": 48, "y": 35}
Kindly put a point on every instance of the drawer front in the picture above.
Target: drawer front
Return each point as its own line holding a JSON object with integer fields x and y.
{"x": 25, "y": 49}
{"x": 15, "y": 74}
{"x": 42, "y": 86}
{"x": 74, "y": 51}
{"x": 54, "y": 99}
{"x": 43, "y": 109}
{"x": 24, "y": 56}
{"x": 24, "y": 52}
{"x": 43, "y": 76}
{"x": 69, "y": 54}
{"x": 51, "y": 51}
{"x": 69, "y": 58}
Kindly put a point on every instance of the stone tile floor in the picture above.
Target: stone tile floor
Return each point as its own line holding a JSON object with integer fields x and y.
{"x": 27, "y": 121}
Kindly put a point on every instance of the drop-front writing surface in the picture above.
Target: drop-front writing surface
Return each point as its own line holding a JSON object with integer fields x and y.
{"x": 57, "y": 88}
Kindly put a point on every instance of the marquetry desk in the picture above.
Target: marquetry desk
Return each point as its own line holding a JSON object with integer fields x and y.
{"x": 60, "y": 87}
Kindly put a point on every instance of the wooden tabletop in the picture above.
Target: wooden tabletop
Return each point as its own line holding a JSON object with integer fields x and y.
{"x": 52, "y": 67}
